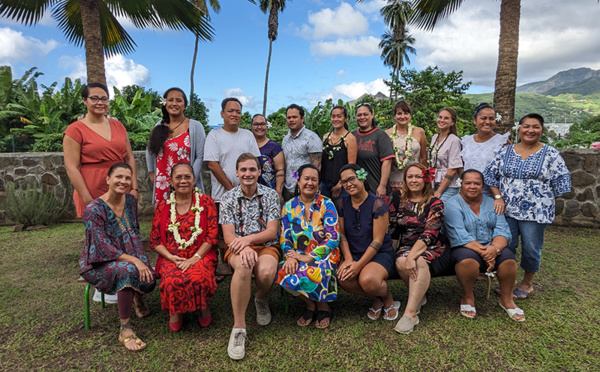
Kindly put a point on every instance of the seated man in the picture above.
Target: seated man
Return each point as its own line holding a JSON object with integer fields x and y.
{"x": 478, "y": 237}
{"x": 249, "y": 217}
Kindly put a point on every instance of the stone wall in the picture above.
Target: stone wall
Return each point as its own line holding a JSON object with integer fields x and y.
{"x": 580, "y": 207}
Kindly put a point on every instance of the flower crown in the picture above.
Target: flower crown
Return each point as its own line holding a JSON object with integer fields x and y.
{"x": 361, "y": 174}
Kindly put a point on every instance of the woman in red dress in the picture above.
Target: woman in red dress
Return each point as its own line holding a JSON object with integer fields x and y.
{"x": 184, "y": 231}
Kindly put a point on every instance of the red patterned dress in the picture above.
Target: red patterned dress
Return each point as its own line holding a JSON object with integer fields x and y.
{"x": 175, "y": 150}
{"x": 182, "y": 292}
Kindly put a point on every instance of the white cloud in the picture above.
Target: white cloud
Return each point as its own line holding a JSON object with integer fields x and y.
{"x": 554, "y": 36}
{"x": 343, "y": 21}
{"x": 357, "y": 89}
{"x": 341, "y": 74}
{"x": 370, "y": 7}
{"x": 19, "y": 48}
{"x": 120, "y": 71}
{"x": 364, "y": 46}
{"x": 247, "y": 101}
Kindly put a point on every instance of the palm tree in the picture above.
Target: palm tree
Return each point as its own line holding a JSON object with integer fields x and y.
{"x": 93, "y": 23}
{"x": 395, "y": 53}
{"x": 201, "y": 4}
{"x": 273, "y": 7}
{"x": 426, "y": 15}
{"x": 396, "y": 15}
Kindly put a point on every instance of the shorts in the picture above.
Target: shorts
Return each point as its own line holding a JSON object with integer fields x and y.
{"x": 384, "y": 258}
{"x": 271, "y": 250}
{"x": 462, "y": 253}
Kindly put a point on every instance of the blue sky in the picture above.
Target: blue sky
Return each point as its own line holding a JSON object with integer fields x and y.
{"x": 325, "y": 49}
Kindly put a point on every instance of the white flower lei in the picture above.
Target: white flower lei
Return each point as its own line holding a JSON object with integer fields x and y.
{"x": 408, "y": 152}
{"x": 174, "y": 225}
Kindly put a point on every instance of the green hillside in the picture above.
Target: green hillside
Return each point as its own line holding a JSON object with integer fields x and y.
{"x": 569, "y": 107}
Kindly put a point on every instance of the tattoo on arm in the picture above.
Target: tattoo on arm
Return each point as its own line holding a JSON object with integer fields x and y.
{"x": 315, "y": 159}
{"x": 375, "y": 245}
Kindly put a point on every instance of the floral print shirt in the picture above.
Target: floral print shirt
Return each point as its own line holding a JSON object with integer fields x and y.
{"x": 176, "y": 150}
{"x": 529, "y": 186}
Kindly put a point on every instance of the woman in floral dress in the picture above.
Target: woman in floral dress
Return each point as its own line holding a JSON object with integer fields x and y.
{"x": 309, "y": 240}
{"x": 174, "y": 139}
{"x": 184, "y": 230}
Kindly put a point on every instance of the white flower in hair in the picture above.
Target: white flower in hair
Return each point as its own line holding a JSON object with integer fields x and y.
{"x": 163, "y": 101}
{"x": 498, "y": 117}
{"x": 269, "y": 125}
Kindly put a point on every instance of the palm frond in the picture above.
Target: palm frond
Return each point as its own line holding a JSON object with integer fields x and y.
{"x": 427, "y": 13}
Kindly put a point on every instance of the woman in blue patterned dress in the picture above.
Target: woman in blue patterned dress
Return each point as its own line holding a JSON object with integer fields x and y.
{"x": 525, "y": 178}
{"x": 309, "y": 240}
{"x": 114, "y": 260}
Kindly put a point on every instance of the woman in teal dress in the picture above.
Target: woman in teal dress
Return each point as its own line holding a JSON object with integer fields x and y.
{"x": 309, "y": 240}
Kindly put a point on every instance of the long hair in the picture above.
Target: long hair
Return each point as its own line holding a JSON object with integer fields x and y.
{"x": 160, "y": 133}
{"x": 344, "y": 111}
{"x": 406, "y": 193}
{"x": 454, "y": 116}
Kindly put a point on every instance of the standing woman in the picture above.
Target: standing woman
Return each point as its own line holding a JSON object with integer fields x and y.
{"x": 174, "y": 139}
{"x": 525, "y": 179}
{"x": 309, "y": 241}
{"x": 184, "y": 230}
{"x": 365, "y": 244}
{"x": 479, "y": 149}
{"x": 444, "y": 156}
{"x": 91, "y": 146}
{"x": 403, "y": 134}
{"x": 339, "y": 149}
{"x": 114, "y": 260}
{"x": 272, "y": 162}
{"x": 416, "y": 220}
{"x": 374, "y": 150}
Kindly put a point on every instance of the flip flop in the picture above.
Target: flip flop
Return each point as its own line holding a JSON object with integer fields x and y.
{"x": 521, "y": 295}
{"x": 129, "y": 338}
{"x": 512, "y": 312}
{"x": 321, "y": 316}
{"x": 466, "y": 307}
{"x": 308, "y": 316}
{"x": 376, "y": 312}
{"x": 395, "y": 306}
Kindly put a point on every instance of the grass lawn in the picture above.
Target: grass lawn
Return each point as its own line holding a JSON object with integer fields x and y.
{"x": 41, "y": 321}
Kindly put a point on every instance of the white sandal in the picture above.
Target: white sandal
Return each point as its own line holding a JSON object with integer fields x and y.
{"x": 396, "y": 306}
{"x": 464, "y": 308}
{"x": 376, "y": 312}
{"x": 512, "y": 312}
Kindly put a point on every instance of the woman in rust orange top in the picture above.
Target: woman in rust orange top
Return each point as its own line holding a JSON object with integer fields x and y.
{"x": 94, "y": 144}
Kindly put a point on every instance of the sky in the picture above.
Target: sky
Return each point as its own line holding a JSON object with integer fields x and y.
{"x": 325, "y": 49}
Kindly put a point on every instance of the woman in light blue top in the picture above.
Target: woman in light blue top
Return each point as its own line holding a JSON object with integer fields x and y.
{"x": 479, "y": 238}
{"x": 525, "y": 178}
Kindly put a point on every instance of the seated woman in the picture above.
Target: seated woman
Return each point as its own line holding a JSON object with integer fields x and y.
{"x": 365, "y": 245}
{"x": 478, "y": 237}
{"x": 113, "y": 259}
{"x": 184, "y": 230}
{"x": 309, "y": 240}
{"x": 416, "y": 219}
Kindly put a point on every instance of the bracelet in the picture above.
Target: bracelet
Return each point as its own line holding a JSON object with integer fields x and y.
{"x": 197, "y": 255}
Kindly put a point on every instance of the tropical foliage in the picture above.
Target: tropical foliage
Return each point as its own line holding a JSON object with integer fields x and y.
{"x": 31, "y": 206}
{"x": 581, "y": 134}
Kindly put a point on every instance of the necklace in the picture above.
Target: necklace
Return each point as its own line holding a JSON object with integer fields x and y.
{"x": 435, "y": 151}
{"x": 332, "y": 149}
{"x": 407, "y": 153}
{"x": 173, "y": 130}
{"x": 174, "y": 225}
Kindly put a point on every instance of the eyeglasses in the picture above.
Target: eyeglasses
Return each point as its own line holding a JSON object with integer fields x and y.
{"x": 95, "y": 99}
{"x": 350, "y": 179}
{"x": 259, "y": 124}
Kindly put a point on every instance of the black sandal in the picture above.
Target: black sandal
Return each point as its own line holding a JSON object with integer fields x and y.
{"x": 308, "y": 316}
{"x": 322, "y": 315}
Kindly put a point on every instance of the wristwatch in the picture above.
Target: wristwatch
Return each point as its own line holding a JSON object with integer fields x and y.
{"x": 497, "y": 196}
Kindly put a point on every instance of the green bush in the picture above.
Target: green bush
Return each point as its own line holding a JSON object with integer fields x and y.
{"x": 31, "y": 206}
{"x": 139, "y": 141}
{"x": 51, "y": 142}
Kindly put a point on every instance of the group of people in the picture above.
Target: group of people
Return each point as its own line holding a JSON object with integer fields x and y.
{"x": 354, "y": 209}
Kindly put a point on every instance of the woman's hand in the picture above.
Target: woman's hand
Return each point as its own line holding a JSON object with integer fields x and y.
{"x": 186, "y": 264}
{"x": 411, "y": 267}
{"x": 145, "y": 272}
{"x": 499, "y": 206}
{"x": 305, "y": 258}
{"x": 348, "y": 271}
{"x": 488, "y": 253}
{"x": 381, "y": 190}
{"x": 135, "y": 193}
{"x": 336, "y": 190}
{"x": 249, "y": 257}
{"x": 290, "y": 265}
{"x": 175, "y": 259}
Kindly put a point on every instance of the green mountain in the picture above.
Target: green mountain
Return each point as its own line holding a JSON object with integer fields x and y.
{"x": 570, "y": 96}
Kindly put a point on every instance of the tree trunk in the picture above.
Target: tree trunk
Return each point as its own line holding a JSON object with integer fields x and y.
{"x": 193, "y": 68}
{"x": 508, "y": 54}
{"x": 264, "y": 112}
{"x": 92, "y": 36}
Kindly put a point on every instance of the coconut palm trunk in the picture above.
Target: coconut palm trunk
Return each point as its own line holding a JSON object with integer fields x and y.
{"x": 264, "y": 111}
{"x": 273, "y": 26}
{"x": 506, "y": 73}
{"x": 193, "y": 67}
{"x": 94, "y": 53}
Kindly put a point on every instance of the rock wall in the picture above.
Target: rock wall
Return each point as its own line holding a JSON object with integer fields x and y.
{"x": 580, "y": 207}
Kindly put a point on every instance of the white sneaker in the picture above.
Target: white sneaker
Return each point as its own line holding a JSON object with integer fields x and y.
{"x": 237, "y": 344}
{"x": 109, "y": 299}
{"x": 263, "y": 313}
